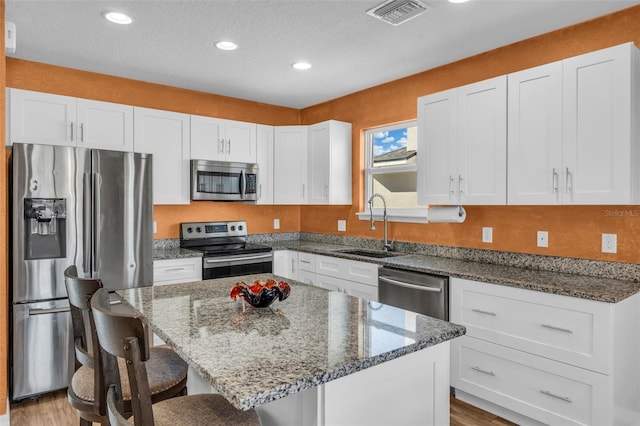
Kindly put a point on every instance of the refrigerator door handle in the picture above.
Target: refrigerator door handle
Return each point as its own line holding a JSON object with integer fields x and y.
{"x": 38, "y": 311}
{"x": 86, "y": 223}
{"x": 95, "y": 246}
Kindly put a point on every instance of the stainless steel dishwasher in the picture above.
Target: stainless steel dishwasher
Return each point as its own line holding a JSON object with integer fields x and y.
{"x": 415, "y": 291}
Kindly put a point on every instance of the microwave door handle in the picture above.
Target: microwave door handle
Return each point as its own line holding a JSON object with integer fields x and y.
{"x": 243, "y": 184}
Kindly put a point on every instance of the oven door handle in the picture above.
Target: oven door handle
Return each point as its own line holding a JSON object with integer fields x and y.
{"x": 411, "y": 286}
{"x": 243, "y": 184}
{"x": 239, "y": 257}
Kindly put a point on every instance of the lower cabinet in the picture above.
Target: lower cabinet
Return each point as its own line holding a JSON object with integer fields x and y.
{"x": 535, "y": 357}
{"x": 335, "y": 274}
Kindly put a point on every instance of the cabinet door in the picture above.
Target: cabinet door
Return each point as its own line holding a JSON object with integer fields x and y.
{"x": 597, "y": 132}
{"x": 41, "y": 118}
{"x": 172, "y": 271}
{"x": 264, "y": 151}
{"x": 104, "y": 125}
{"x": 437, "y": 141}
{"x": 482, "y": 142}
{"x": 328, "y": 283}
{"x": 285, "y": 264}
{"x": 535, "y": 135}
{"x": 207, "y": 138}
{"x": 363, "y": 291}
{"x": 165, "y": 134}
{"x": 290, "y": 164}
{"x": 319, "y": 163}
{"x": 240, "y": 141}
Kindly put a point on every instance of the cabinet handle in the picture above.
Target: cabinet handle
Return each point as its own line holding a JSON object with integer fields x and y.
{"x": 480, "y": 311}
{"x": 551, "y": 327}
{"x": 303, "y": 191}
{"x": 305, "y": 261}
{"x": 326, "y": 192}
{"x": 555, "y": 181}
{"x": 71, "y": 130}
{"x": 569, "y": 178}
{"x": 221, "y": 147}
{"x": 260, "y": 191}
{"x": 460, "y": 191}
{"x": 174, "y": 269}
{"x": 81, "y": 132}
{"x": 552, "y": 395}
{"x": 451, "y": 185}
{"x": 487, "y": 372}
{"x": 228, "y": 146}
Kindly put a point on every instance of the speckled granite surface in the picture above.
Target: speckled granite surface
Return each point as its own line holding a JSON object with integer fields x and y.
{"x": 174, "y": 253}
{"x": 259, "y": 355}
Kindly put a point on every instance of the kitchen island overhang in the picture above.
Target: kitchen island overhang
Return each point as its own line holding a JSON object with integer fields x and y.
{"x": 314, "y": 338}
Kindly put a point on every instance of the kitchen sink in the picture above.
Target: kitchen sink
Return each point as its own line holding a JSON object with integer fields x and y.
{"x": 368, "y": 253}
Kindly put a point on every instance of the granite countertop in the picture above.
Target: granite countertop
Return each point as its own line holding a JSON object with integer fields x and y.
{"x": 259, "y": 355}
{"x": 581, "y": 286}
{"x": 174, "y": 253}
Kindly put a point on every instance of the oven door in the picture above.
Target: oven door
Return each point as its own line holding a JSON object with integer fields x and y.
{"x": 236, "y": 265}
{"x": 223, "y": 181}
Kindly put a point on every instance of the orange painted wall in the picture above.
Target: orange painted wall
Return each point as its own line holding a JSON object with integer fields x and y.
{"x": 574, "y": 231}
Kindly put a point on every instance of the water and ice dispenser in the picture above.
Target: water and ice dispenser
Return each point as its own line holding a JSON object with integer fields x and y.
{"x": 45, "y": 230}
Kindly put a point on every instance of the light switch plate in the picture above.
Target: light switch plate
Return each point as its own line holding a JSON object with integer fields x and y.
{"x": 155, "y": 226}
{"x": 342, "y": 225}
{"x": 487, "y": 234}
{"x": 543, "y": 239}
{"x": 609, "y": 243}
{"x": 276, "y": 223}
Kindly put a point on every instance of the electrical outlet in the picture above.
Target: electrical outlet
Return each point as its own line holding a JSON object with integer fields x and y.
{"x": 543, "y": 239}
{"x": 487, "y": 234}
{"x": 155, "y": 226}
{"x": 342, "y": 225}
{"x": 276, "y": 223}
{"x": 609, "y": 243}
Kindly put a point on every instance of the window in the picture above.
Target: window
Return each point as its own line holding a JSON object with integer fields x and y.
{"x": 391, "y": 170}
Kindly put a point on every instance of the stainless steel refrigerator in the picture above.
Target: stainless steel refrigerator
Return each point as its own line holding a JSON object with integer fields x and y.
{"x": 70, "y": 206}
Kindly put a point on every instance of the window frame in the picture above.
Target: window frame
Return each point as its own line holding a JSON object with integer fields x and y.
{"x": 411, "y": 215}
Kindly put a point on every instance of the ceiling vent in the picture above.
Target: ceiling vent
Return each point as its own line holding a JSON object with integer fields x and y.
{"x": 396, "y": 12}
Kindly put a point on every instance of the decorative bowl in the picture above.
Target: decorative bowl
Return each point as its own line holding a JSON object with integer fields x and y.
{"x": 260, "y": 295}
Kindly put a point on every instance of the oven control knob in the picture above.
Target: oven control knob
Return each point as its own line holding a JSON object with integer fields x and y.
{"x": 189, "y": 230}
{"x": 233, "y": 228}
{"x": 198, "y": 229}
{"x": 240, "y": 227}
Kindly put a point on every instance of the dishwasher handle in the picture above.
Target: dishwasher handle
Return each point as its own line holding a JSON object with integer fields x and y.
{"x": 411, "y": 286}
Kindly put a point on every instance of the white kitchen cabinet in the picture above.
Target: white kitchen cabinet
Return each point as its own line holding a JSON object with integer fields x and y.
{"x": 572, "y": 130}
{"x": 285, "y": 264}
{"x": 329, "y": 163}
{"x": 222, "y": 140}
{"x": 264, "y": 158}
{"x": 172, "y": 271}
{"x": 166, "y": 135}
{"x": 601, "y": 156}
{"x": 535, "y": 135}
{"x": 290, "y": 164}
{"x": 44, "y": 118}
{"x": 462, "y": 133}
{"x": 556, "y": 359}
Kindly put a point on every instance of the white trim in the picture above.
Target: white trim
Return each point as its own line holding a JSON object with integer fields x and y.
{"x": 397, "y": 215}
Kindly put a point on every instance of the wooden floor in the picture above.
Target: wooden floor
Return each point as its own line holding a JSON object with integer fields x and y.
{"x": 54, "y": 410}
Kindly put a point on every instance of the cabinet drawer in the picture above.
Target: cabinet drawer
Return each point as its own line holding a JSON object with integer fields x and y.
{"x": 307, "y": 262}
{"x": 567, "y": 329}
{"x": 545, "y": 390}
{"x": 362, "y": 272}
{"x": 171, "y": 271}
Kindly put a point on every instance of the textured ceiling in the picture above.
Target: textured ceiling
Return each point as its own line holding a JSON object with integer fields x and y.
{"x": 171, "y": 42}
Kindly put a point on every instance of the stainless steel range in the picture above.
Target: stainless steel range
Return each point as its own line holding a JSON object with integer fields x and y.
{"x": 225, "y": 250}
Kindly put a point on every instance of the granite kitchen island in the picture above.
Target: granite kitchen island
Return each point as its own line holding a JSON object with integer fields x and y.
{"x": 316, "y": 358}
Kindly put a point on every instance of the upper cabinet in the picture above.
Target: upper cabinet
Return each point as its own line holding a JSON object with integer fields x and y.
{"x": 290, "y": 164}
{"x": 462, "y": 133}
{"x": 330, "y": 163}
{"x": 44, "y": 118}
{"x": 222, "y": 140}
{"x": 165, "y": 134}
{"x": 572, "y": 130}
{"x": 264, "y": 150}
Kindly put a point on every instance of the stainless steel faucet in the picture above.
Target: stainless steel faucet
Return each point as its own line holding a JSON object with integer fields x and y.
{"x": 387, "y": 245}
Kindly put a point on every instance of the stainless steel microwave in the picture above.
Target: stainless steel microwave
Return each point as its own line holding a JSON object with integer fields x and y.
{"x": 223, "y": 181}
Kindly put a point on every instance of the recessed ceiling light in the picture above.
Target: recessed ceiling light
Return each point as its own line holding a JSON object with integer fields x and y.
{"x": 458, "y": 1}
{"x": 226, "y": 45}
{"x": 117, "y": 18}
{"x": 301, "y": 65}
